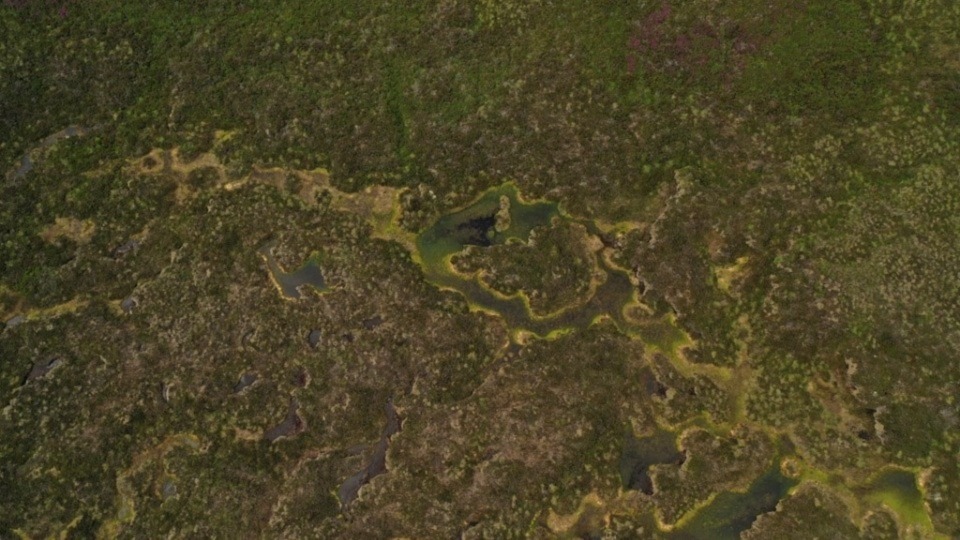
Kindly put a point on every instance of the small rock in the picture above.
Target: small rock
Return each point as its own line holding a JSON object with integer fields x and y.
{"x": 166, "y": 391}
{"x": 15, "y": 321}
{"x": 248, "y": 337}
{"x": 129, "y": 304}
{"x": 169, "y": 489}
{"x": 301, "y": 378}
{"x": 42, "y": 368}
{"x": 313, "y": 338}
{"x": 373, "y": 322}
{"x": 246, "y": 380}
{"x": 126, "y": 247}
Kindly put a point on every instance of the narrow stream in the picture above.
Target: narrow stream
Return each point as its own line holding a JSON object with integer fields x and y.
{"x": 26, "y": 162}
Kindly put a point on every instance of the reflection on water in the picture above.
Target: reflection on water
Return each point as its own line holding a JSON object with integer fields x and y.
{"x": 731, "y": 513}
{"x": 477, "y": 225}
{"x": 897, "y": 489}
{"x": 377, "y": 465}
{"x": 639, "y": 454}
{"x": 291, "y": 425}
{"x": 290, "y": 283}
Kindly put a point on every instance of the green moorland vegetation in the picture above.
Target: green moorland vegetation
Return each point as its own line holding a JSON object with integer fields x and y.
{"x": 777, "y": 180}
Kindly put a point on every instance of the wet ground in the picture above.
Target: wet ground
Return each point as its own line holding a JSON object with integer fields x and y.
{"x": 291, "y": 284}
{"x": 476, "y": 225}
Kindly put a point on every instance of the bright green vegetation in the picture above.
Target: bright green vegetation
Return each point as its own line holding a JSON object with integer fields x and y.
{"x": 897, "y": 489}
{"x": 650, "y": 269}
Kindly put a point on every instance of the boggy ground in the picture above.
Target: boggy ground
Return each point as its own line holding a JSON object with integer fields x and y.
{"x": 776, "y": 181}
{"x": 199, "y": 395}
